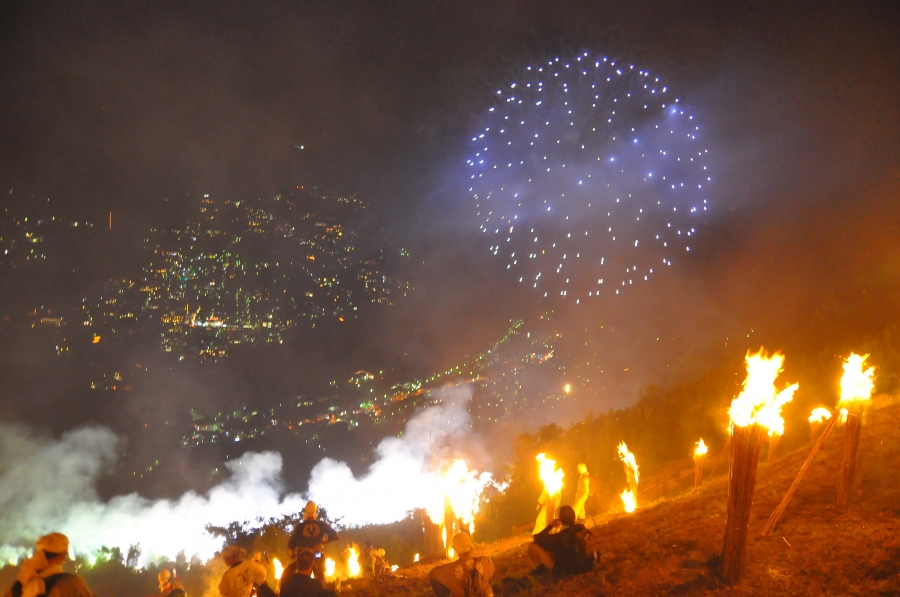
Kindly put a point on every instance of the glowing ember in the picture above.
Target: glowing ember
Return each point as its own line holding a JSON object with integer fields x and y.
{"x": 329, "y": 568}
{"x": 701, "y": 448}
{"x": 856, "y": 384}
{"x": 568, "y": 388}
{"x": 416, "y": 558}
{"x": 819, "y": 415}
{"x": 628, "y": 458}
{"x": 759, "y": 402}
{"x": 353, "y": 568}
{"x": 629, "y": 501}
{"x": 551, "y": 477}
{"x": 279, "y": 569}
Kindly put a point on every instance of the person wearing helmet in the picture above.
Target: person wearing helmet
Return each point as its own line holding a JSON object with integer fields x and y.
{"x": 42, "y": 573}
{"x": 583, "y": 491}
{"x": 565, "y": 551}
{"x": 168, "y": 586}
{"x": 310, "y": 536}
{"x": 467, "y": 576}
{"x": 243, "y": 575}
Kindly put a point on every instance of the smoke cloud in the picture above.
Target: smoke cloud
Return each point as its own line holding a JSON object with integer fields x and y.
{"x": 49, "y": 485}
{"x": 400, "y": 480}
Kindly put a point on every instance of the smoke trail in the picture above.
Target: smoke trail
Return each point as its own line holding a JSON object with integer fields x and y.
{"x": 400, "y": 478}
{"x": 49, "y": 485}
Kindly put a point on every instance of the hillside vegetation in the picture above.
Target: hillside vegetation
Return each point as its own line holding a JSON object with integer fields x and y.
{"x": 671, "y": 547}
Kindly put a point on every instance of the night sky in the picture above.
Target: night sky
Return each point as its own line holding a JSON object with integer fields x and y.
{"x": 130, "y": 107}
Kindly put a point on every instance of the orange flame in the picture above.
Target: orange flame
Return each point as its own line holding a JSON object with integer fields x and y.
{"x": 551, "y": 477}
{"x": 628, "y": 458}
{"x": 856, "y": 384}
{"x": 279, "y": 569}
{"x": 759, "y": 402}
{"x": 329, "y": 568}
{"x": 701, "y": 448}
{"x": 819, "y": 415}
{"x": 416, "y": 558}
{"x": 353, "y": 567}
{"x": 629, "y": 501}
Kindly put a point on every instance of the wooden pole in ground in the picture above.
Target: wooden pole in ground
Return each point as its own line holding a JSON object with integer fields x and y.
{"x": 745, "y": 446}
{"x": 698, "y": 470}
{"x": 774, "y": 440}
{"x": 848, "y": 464}
{"x": 814, "y": 427}
{"x": 779, "y": 510}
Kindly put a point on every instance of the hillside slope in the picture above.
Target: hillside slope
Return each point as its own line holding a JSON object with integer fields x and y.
{"x": 671, "y": 547}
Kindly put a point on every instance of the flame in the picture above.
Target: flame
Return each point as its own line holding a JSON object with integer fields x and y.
{"x": 701, "y": 448}
{"x": 629, "y": 501}
{"x": 819, "y": 415}
{"x": 451, "y": 553}
{"x": 457, "y": 490}
{"x": 628, "y": 458}
{"x": 353, "y": 568}
{"x": 759, "y": 402}
{"x": 329, "y": 568}
{"x": 568, "y": 388}
{"x": 551, "y": 477}
{"x": 394, "y": 568}
{"x": 844, "y": 413}
{"x": 279, "y": 569}
{"x": 856, "y": 384}
{"x": 416, "y": 558}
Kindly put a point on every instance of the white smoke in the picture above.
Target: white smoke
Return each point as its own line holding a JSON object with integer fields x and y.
{"x": 49, "y": 485}
{"x": 400, "y": 480}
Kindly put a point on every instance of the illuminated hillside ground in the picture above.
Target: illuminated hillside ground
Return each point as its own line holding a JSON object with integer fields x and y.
{"x": 671, "y": 547}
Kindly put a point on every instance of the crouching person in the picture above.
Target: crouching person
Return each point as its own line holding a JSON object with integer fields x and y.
{"x": 42, "y": 573}
{"x": 467, "y": 576}
{"x": 564, "y": 551}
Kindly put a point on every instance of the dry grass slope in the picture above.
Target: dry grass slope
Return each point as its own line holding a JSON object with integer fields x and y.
{"x": 671, "y": 547}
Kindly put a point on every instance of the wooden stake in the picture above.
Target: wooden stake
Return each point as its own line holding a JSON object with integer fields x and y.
{"x": 773, "y": 447}
{"x": 779, "y": 510}
{"x": 814, "y": 427}
{"x": 698, "y": 470}
{"x": 745, "y": 446}
{"x": 848, "y": 465}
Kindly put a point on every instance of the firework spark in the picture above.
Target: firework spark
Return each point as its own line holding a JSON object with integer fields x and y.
{"x": 589, "y": 175}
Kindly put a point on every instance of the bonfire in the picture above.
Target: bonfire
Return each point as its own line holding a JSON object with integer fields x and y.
{"x": 856, "y": 389}
{"x": 755, "y": 411}
{"x": 629, "y": 496}
{"x": 699, "y": 455}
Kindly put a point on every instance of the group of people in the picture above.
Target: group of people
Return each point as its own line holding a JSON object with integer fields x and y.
{"x": 560, "y": 548}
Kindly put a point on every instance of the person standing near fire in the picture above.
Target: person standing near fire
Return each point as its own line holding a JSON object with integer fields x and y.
{"x": 242, "y": 576}
{"x": 548, "y": 506}
{"x": 42, "y": 574}
{"x": 310, "y": 536}
{"x": 468, "y": 576}
{"x": 582, "y": 492}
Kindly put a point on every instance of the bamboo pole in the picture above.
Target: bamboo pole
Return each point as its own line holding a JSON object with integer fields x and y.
{"x": 698, "y": 470}
{"x": 848, "y": 464}
{"x": 745, "y": 446}
{"x": 779, "y": 510}
{"x": 774, "y": 440}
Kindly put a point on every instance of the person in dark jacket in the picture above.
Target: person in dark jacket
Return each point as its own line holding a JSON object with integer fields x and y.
{"x": 300, "y": 583}
{"x": 562, "y": 551}
{"x": 310, "y": 536}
